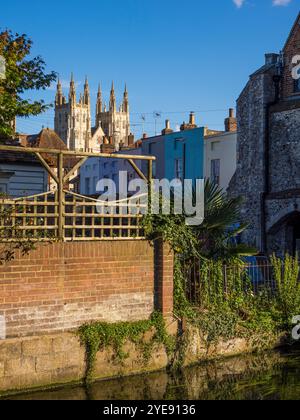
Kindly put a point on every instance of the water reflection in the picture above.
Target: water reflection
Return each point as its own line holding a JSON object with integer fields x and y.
{"x": 271, "y": 376}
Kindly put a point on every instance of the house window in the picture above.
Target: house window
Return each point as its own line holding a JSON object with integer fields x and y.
{"x": 214, "y": 145}
{"x": 297, "y": 86}
{"x": 151, "y": 148}
{"x": 87, "y": 186}
{"x": 177, "y": 143}
{"x": 179, "y": 169}
{"x": 3, "y": 188}
{"x": 215, "y": 171}
{"x": 95, "y": 182}
{"x": 154, "y": 169}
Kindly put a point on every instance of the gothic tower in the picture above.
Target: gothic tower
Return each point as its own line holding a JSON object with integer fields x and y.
{"x": 72, "y": 119}
{"x": 114, "y": 122}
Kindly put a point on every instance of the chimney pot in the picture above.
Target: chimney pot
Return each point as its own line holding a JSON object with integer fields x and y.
{"x": 192, "y": 118}
{"x": 167, "y": 129}
{"x": 231, "y": 122}
{"x": 271, "y": 58}
{"x": 131, "y": 139}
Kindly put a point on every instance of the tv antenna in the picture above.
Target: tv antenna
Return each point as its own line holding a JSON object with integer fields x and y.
{"x": 156, "y": 116}
{"x": 143, "y": 118}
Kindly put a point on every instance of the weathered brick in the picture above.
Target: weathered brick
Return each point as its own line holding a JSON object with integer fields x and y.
{"x": 60, "y": 286}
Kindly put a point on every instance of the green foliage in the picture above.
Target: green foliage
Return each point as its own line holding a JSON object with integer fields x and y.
{"x": 22, "y": 74}
{"x": 214, "y": 239}
{"x": 182, "y": 306}
{"x": 226, "y": 306}
{"x": 101, "y": 335}
{"x": 22, "y": 243}
{"x": 217, "y": 323}
{"x": 286, "y": 274}
{"x": 24, "y": 240}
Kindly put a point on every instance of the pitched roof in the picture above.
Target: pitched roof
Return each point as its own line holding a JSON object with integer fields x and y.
{"x": 46, "y": 139}
{"x": 297, "y": 22}
{"x": 18, "y": 158}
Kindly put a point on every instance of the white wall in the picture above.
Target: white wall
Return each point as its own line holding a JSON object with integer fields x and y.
{"x": 223, "y": 147}
{"x": 21, "y": 180}
{"x": 96, "y": 169}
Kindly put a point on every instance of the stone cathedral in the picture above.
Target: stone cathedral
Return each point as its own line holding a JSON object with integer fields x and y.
{"x": 73, "y": 119}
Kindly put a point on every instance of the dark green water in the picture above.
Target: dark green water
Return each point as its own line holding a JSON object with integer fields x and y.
{"x": 268, "y": 376}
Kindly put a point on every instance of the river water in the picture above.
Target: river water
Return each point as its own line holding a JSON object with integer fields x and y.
{"x": 267, "y": 376}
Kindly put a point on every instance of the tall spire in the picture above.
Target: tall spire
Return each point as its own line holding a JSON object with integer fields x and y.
{"x": 59, "y": 94}
{"x": 99, "y": 105}
{"x": 72, "y": 93}
{"x": 112, "y": 101}
{"x": 125, "y": 100}
{"x": 86, "y": 95}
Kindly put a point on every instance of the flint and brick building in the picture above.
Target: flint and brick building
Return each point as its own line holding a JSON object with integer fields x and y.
{"x": 268, "y": 146}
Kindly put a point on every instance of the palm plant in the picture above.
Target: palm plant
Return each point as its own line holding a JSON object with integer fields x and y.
{"x": 215, "y": 238}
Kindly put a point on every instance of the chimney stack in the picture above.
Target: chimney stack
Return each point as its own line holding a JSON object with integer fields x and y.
{"x": 271, "y": 58}
{"x": 192, "y": 118}
{"x": 131, "y": 140}
{"x": 231, "y": 122}
{"x": 167, "y": 129}
{"x": 107, "y": 148}
{"x": 191, "y": 125}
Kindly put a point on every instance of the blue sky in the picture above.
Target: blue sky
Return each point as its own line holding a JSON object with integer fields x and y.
{"x": 176, "y": 56}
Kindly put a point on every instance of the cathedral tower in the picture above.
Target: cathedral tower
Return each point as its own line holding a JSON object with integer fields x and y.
{"x": 114, "y": 122}
{"x": 73, "y": 119}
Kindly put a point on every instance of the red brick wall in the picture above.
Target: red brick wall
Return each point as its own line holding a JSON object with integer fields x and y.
{"x": 291, "y": 49}
{"x": 59, "y": 287}
{"x": 164, "y": 278}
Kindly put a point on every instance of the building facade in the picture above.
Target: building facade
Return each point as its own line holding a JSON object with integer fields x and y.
{"x": 73, "y": 121}
{"x": 21, "y": 175}
{"x": 268, "y": 166}
{"x": 179, "y": 155}
{"x": 220, "y": 155}
{"x": 96, "y": 169}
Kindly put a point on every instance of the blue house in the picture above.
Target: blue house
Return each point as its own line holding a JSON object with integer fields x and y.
{"x": 178, "y": 154}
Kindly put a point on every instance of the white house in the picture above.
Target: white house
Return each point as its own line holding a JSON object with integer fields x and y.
{"x": 21, "y": 175}
{"x": 96, "y": 169}
{"x": 220, "y": 157}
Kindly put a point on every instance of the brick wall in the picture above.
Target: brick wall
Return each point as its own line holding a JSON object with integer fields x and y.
{"x": 59, "y": 287}
{"x": 291, "y": 49}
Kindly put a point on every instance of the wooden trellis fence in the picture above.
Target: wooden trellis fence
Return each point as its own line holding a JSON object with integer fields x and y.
{"x": 66, "y": 216}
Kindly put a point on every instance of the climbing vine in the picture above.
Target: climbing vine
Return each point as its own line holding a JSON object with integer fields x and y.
{"x": 98, "y": 336}
{"x": 220, "y": 315}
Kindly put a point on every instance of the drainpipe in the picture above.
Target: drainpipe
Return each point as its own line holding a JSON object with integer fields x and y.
{"x": 266, "y": 162}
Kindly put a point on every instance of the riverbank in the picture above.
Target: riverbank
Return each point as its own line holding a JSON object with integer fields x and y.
{"x": 61, "y": 359}
{"x": 268, "y": 376}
